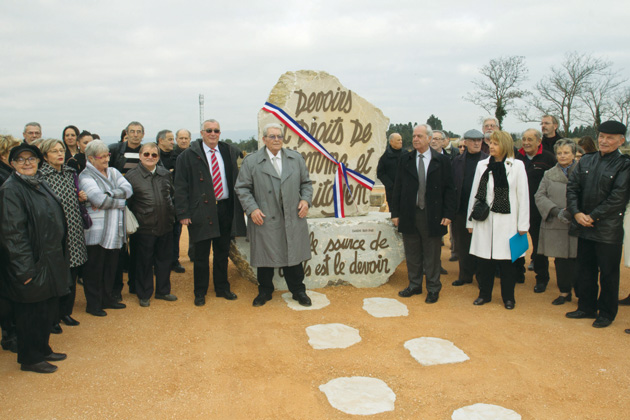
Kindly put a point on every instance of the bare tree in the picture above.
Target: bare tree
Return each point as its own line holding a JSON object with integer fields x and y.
{"x": 559, "y": 93}
{"x": 598, "y": 95}
{"x": 621, "y": 106}
{"x": 499, "y": 88}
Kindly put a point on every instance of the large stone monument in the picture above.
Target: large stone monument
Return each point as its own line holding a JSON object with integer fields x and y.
{"x": 362, "y": 250}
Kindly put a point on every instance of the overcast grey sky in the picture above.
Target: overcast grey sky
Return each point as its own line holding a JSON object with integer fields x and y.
{"x": 100, "y": 64}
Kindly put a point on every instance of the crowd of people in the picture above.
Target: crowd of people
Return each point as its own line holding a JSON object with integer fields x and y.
{"x": 77, "y": 210}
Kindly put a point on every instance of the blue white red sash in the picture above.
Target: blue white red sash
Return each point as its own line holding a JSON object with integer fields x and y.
{"x": 342, "y": 172}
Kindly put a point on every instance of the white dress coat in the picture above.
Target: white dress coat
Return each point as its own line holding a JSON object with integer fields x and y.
{"x": 491, "y": 238}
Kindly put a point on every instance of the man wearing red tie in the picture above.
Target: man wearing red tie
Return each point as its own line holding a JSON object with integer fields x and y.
{"x": 205, "y": 201}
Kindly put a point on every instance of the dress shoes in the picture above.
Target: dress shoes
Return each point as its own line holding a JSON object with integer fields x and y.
{"x": 530, "y": 267}
{"x": 454, "y": 258}
{"x": 601, "y": 322}
{"x": 145, "y": 303}
{"x": 460, "y": 282}
{"x": 581, "y": 315}
{"x": 41, "y": 367}
{"x": 69, "y": 321}
{"x": 540, "y": 287}
{"x": 178, "y": 268}
{"x": 443, "y": 271}
{"x": 409, "y": 291}
{"x": 200, "y": 300}
{"x": 302, "y": 299}
{"x": 115, "y": 305}
{"x": 56, "y": 329}
{"x": 432, "y": 297}
{"x": 226, "y": 294}
{"x": 625, "y": 301}
{"x": 97, "y": 313}
{"x": 561, "y": 300}
{"x": 55, "y": 357}
{"x": 520, "y": 278}
{"x": 627, "y": 330}
{"x": 80, "y": 281}
{"x": 9, "y": 343}
{"x": 261, "y": 299}
{"x": 509, "y": 304}
{"x": 480, "y": 301}
{"x": 169, "y": 297}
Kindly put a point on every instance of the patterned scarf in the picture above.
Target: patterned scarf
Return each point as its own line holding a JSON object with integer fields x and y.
{"x": 501, "y": 203}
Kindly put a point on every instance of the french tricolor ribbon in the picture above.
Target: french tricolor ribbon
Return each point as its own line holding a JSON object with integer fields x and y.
{"x": 342, "y": 172}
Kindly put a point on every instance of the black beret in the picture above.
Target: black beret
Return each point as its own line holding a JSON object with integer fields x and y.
{"x": 25, "y": 147}
{"x": 612, "y": 127}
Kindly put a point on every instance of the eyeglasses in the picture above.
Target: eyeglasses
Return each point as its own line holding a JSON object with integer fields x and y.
{"x": 278, "y": 137}
{"x": 30, "y": 160}
{"x": 147, "y": 154}
{"x": 461, "y": 147}
{"x": 107, "y": 156}
{"x": 212, "y": 130}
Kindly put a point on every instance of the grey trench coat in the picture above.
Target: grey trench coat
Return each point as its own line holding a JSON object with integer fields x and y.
{"x": 283, "y": 238}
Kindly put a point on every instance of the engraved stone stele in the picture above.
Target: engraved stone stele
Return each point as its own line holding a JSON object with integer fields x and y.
{"x": 484, "y": 412}
{"x": 349, "y": 127}
{"x": 360, "y": 251}
{"x": 359, "y": 395}
{"x": 429, "y": 351}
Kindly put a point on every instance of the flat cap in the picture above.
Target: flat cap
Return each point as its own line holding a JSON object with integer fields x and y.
{"x": 612, "y": 127}
{"x": 473, "y": 134}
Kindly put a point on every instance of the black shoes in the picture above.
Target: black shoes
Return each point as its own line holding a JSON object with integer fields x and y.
{"x": 169, "y": 297}
{"x": 115, "y": 305}
{"x": 540, "y": 287}
{"x": 443, "y": 271}
{"x": 459, "y": 282}
{"x": 178, "y": 268}
{"x": 69, "y": 321}
{"x": 509, "y": 304}
{"x": 145, "y": 303}
{"x": 200, "y": 300}
{"x": 409, "y": 291}
{"x": 302, "y": 299}
{"x": 480, "y": 301}
{"x": 261, "y": 299}
{"x": 432, "y": 297}
{"x": 56, "y": 329}
{"x": 625, "y": 301}
{"x": 530, "y": 267}
{"x": 454, "y": 257}
{"x": 561, "y": 300}
{"x": 41, "y": 367}
{"x": 55, "y": 357}
{"x": 9, "y": 342}
{"x": 97, "y": 313}
{"x": 601, "y": 322}
{"x": 581, "y": 315}
{"x": 226, "y": 294}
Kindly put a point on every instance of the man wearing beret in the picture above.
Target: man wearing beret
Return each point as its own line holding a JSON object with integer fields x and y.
{"x": 597, "y": 195}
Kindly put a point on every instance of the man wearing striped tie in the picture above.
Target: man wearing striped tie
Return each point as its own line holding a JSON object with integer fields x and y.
{"x": 205, "y": 175}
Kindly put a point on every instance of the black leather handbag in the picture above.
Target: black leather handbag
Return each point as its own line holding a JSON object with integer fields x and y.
{"x": 480, "y": 211}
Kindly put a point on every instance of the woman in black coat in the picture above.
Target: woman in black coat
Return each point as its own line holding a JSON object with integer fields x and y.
{"x": 34, "y": 269}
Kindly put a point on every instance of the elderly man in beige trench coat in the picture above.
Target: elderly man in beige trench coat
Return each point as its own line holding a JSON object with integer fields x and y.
{"x": 275, "y": 191}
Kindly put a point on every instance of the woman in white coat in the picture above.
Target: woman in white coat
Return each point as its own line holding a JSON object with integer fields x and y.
{"x": 501, "y": 182}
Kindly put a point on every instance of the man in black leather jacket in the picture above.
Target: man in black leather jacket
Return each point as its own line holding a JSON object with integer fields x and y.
{"x": 597, "y": 195}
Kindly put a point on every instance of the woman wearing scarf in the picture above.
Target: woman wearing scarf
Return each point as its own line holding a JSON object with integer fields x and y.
{"x": 61, "y": 180}
{"x": 107, "y": 191}
{"x": 34, "y": 270}
{"x": 500, "y": 182}
{"x": 551, "y": 200}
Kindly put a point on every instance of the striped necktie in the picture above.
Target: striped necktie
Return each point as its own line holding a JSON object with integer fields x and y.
{"x": 216, "y": 176}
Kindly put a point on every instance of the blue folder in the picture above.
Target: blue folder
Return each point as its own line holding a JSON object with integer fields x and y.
{"x": 518, "y": 245}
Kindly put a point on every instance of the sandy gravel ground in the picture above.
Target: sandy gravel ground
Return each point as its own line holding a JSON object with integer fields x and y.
{"x": 228, "y": 360}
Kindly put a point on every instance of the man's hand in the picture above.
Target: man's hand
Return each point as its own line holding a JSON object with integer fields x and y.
{"x": 583, "y": 219}
{"x": 470, "y": 230}
{"x": 302, "y": 209}
{"x": 257, "y": 217}
{"x": 185, "y": 222}
{"x": 445, "y": 222}
{"x": 28, "y": 281}
{"x": 395, "y": 221}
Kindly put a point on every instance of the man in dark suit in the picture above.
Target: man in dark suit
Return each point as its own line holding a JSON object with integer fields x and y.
{"x": 464, "y": 166}
{"x": 422, "y": 207}
{"x": 205, "y": 202}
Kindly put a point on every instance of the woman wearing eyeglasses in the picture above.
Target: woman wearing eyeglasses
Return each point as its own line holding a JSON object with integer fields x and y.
{"x": 34, "y": 270}
{"x": 152, "y": 204}
{"x": 107, "y": 191}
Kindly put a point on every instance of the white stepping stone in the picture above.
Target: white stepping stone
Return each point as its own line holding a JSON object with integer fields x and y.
{"x": 429, "y": 351}
{"x": 359, "y": 395}
{"x": 332, "y": 336}
{"x": 384, "y": 307}
{"x": 319, "y": 301}
{"x": 484, "y": 412}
